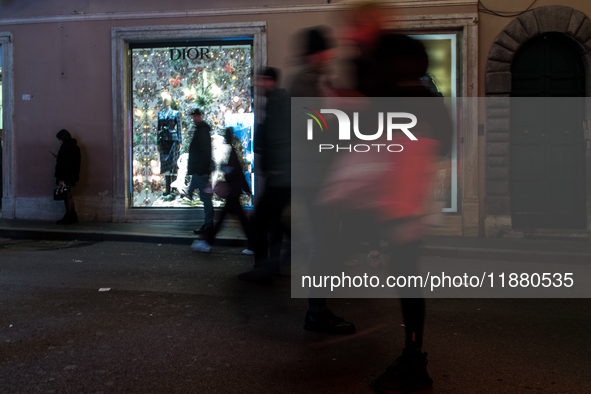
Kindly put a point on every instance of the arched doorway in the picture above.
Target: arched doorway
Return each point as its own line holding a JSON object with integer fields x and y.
{"x": 575, "y": 27}
{"x": 547, "y": 157}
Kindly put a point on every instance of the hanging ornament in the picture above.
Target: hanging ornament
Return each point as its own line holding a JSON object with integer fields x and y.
{"x": 175, "y": 81}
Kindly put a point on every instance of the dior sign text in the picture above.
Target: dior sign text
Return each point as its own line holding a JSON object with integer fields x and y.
{"x": 189, "y": 53}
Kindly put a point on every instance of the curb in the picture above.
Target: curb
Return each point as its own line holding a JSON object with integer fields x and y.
{"x": 525, "y": 256}
{"x": 91, "y": 236}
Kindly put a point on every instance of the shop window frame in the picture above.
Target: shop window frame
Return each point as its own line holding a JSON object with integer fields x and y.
{"x": 456, "y": 93}
{"x": 121, "y": 38}
{"x": 465, "y": 221}
{"x": 175, "y": 45}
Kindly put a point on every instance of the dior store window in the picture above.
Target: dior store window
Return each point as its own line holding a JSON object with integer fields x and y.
{"x": 1, "y": 128}
{"x": 169, "y": 80}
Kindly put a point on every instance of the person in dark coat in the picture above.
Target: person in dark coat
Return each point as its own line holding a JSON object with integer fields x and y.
{"x": 67, "y": 172}
{"x": 200, "y": 166}
{"x": 273, "y": 143}
{"x": 314, "y": 80}
{"x": 170, "y": 139}
{"x": 236, "y": 185}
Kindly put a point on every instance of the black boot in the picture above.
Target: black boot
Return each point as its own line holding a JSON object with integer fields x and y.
{"x": 167, "y": 182}
{"x": 261, "y": 273}
{"x": 64, "y": 220}
{"x": 69, "y": 218}
{"x": 327, "y": 322}
{"x": 172, "y": 180}
{"x": 204, "y": 229}
{"x": 408, "y": 374}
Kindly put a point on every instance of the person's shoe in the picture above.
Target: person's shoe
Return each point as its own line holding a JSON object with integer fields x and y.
{"x": 201, "y": 246}
{"x": 408, "y": 374}
{"x": 69, "y": 218}
{"x": 248, "y": 252}
{"x": 375, "y": 259}
{"x": 261, "y": 273}
{"x": 327, "y": 322}
{"x": 64, "y": 220}
{"x": 205, "y": 228}
{"x": 351, "y": 261}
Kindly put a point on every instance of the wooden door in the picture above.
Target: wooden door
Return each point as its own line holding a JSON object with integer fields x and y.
{"x": 547, "y": 185}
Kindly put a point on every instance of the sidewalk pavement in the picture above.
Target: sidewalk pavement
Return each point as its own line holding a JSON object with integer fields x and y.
{"x": 528, "y": 250}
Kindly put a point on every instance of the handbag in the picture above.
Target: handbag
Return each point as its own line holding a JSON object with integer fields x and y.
{"x": 62, "y": 193}
{"x": 392, "y": 185}
{"x": 354, "y": 181}
{"x": 221, "y": 188}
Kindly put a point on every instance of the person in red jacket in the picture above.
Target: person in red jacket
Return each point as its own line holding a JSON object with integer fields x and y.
{"x": 398, "y": 212}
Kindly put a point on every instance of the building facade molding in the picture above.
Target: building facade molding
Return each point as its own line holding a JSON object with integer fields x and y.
{"x": 81, "y": 17}
{"x": 572, "y": 23}
{"x": 121, "y": 37}
{"x": 8, "y": 176}
{"x": 466, "y": 24}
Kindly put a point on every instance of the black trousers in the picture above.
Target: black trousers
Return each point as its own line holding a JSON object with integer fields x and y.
{"x": 232, "y": 206}
{"x": 266, "y": 217}
{"x": 404, "y": 261}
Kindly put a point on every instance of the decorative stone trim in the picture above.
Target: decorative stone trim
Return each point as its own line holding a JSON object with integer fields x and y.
{"x": 540, "y": 20}
{"x": 212, "y": 12}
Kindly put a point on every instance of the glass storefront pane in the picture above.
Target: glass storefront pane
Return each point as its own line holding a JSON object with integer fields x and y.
{"x": 442, "y": 79}
{"x": 216, "y": 78}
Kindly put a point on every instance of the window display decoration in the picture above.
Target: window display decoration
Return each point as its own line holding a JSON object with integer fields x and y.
{"x": 215, "y": 79}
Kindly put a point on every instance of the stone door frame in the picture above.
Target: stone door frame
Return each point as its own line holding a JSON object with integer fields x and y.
{"x": 551, "y": 19}
{"x": 8, "y": 192}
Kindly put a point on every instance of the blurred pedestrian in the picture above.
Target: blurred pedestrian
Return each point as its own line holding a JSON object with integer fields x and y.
{"x": 67, "y": 172}
{"x": 314, "y": 79}
{"x": 234, "y": 186}
{"x": 318, "y": 52}
{"x": 406, "y": 62}
{"x": 200, "y": 167}
{"x": 273, "y": 143}
{"x": 366, "y": 26}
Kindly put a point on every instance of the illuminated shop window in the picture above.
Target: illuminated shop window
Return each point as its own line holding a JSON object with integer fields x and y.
{"x": 215, "y": 77}
{"x": 1, "y": 117}
{"x": 442, "y": 80}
